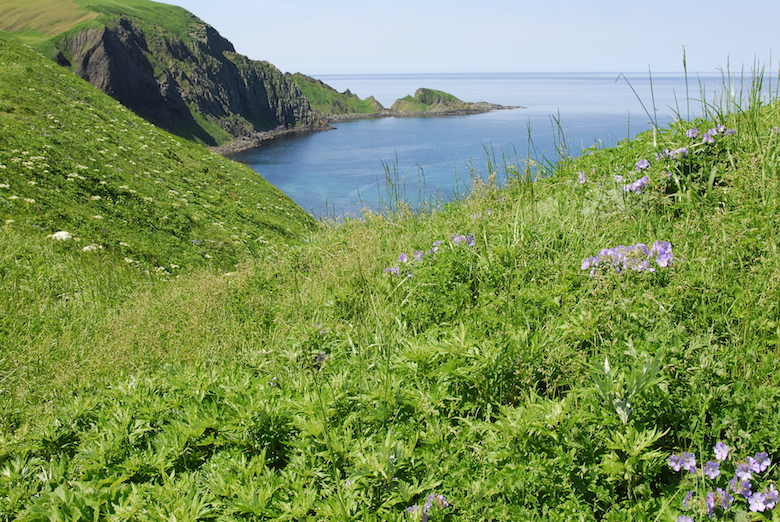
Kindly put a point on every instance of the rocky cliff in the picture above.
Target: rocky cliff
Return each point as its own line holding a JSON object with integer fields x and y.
{"x": 194, "y": 85}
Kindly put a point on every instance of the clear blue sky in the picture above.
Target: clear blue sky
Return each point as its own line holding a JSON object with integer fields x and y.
{"x": 433, "y": 36}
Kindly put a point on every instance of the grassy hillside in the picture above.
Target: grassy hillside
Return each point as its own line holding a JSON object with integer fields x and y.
{"x": 586, "y": 346}
{"x": 39, "y": 20}
{"x": 327, "y": 100}
{"x": 73, "y": 159}
{"x": 134, "y": 206}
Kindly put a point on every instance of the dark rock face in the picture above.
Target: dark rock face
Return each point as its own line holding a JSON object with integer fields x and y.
{"x": 198, "y": 88}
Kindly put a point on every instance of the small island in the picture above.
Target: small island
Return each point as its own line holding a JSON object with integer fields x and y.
{"x": 335, "y": 107}
{"x": 348, "y": 106}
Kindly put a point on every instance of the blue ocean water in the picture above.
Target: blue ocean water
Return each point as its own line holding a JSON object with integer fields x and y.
{"x": 343, "y": 170}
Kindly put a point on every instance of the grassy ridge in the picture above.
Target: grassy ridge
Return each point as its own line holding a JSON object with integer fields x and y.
{"x": 465, "y": 363}
{"x": 329, "y": 101}
{"x": 39, "y": 20}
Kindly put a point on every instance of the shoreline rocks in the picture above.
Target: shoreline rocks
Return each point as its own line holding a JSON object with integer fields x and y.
{"x": 257, "y": 138}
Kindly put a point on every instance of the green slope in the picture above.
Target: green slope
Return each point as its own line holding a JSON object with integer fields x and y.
{"x": 327, "y": 100}
{"x": 74, "y": 159}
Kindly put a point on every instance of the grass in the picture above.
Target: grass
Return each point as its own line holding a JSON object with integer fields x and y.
{"x": 304, "y": 381}
{"x": 327, "y": 100}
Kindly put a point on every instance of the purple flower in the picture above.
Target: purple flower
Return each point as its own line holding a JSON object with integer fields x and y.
{"x": 760, "y": 462}
{"x": 740, "y": 487}
{"x": 642, "y": 165}
{"x": 687, "y": 499}
{"x": 729, "y": 132}
{"x": 692, "y": 133}
{"x": 675, "y": 462}
{"x": 710, "y": 503}
{"x": 581, "y": 177}
{"x": 684, "y": 518}
{"x": 458, "y": 239}
{"x": 770, "y": 497}
{"x": 637, "y": 186}
{"x": 744, "y": 472}
{"x": 618, "y": 179}
{"x": 708, "y": 137}
{"x": 403, "y": 258}
{"x": 712, "y": 469}
{"x": 396, "y": 270}
{"x": 689, "y": 461}
{"x": 721, "y": 451}
{"x": 682, "y": 152}
{"x": 663, "y": 253}
{"x": 724, "y": 498}
{"x": 419, "y": 255}
{"x": 757, "y": 502}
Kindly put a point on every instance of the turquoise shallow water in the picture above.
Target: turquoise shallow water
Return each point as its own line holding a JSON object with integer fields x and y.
{"x": 343, "y": 170}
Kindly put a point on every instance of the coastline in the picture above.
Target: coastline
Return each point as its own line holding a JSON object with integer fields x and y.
{"x": 257, "y": 138}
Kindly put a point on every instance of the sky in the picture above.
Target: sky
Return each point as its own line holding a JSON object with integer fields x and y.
{"x": 320, "y": 37}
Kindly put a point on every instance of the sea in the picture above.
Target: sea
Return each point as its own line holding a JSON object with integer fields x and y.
{"x": 372, "y": 163}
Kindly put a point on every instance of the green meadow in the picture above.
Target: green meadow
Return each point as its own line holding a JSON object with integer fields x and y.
{"x": 594, "y": 339}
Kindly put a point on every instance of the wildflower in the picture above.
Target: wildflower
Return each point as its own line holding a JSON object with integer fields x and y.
{"x": 581, "y": 177}
{"x": 637, "y": 186}
{"x": 692, "y": 133}
{"x": 684, "y": 518}
{"x": 721, "y": 451}
{"x": 710, "y": 503}
{"x": 689, "y": 461}
{"x": 675, "y": 462}
{"x": 396, "y": 270}
{"x": 712, "y": 469}
{"x": 723, "y": 498}
{"x": 403, "y": 258}
{"x": 682, "y": 152}
{"x": 708, "y": 137}
{"x": 438, "y": 500}
{"x": 760, "y": 462}
{"x": 740, "y": 487}
{"x": 61, "y": 236}
{"x": 771, "y": 497}
{"x": 642, "y": 164}
{"x": 419, "y": 255}
{"x": 458, "y": 239}
{"x": 320, "y": 359}
{"x": 744, "y": 472}
{"x": 663, "y": 253}
{"x": 618, "y": 179}
{"x": 757, "y": 502}
{"x": 687, "y": 498}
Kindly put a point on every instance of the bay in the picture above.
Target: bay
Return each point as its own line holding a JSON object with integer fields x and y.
{"x": 343, "y": 171}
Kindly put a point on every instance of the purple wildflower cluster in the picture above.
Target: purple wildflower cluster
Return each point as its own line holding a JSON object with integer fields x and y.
{"x": 637, "y": 186}
{"x": 419, "y": 255}
{"x": 720, "y": 499}
{"x": 709, "y": 136}
{"x": 637, "y": 257}
{"x": 421, "y": 513}
{"x": 682, "y": 152}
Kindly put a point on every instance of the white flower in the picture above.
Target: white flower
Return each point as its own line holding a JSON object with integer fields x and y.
{"x": 92, "y": 248}
{"x": 128, "y": 260}
{"x": 61, "y": 236}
